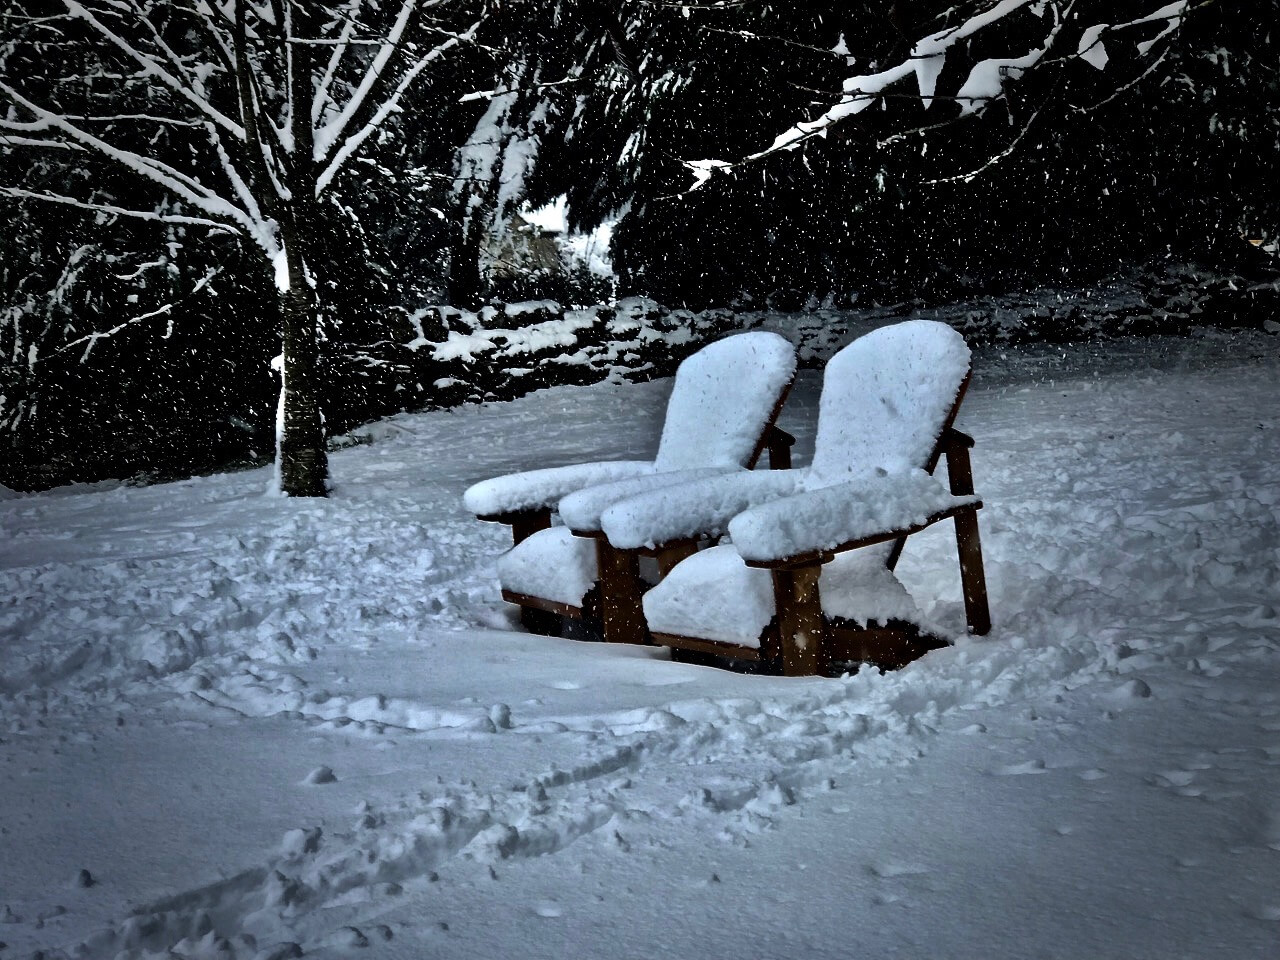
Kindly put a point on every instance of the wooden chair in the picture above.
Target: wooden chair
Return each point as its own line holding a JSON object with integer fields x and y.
{"x": 807, "y": 584}
{"x": 719, "y": 419}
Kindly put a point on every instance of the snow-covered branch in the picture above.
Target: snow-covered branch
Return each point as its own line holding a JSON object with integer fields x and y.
{"x": 202, "y": 18}
{"x": 91, "y": 340}
{"x": 499, "y": 91}
{"x": 141, "y": 117}
{"x": 18, "y": 193}
{"x": 324, "y": 96}
{"x": 388, "y": 107}
{"x": 39, "y": 142}
{"x": 179, "y": 183}
{"x": 151, "y": 67}
{"x": 984, "y": 83}
{"x": 328, "y": 135}
{"x": 174, "y": 61}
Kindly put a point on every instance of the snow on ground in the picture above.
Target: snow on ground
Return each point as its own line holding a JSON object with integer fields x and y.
{"x": 237, "y": 726}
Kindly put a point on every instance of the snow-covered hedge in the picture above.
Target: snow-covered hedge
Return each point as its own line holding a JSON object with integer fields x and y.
{"x": 453, "y": 356}
{"x": 443, "y": 357}
{"x": 449, "y": 356}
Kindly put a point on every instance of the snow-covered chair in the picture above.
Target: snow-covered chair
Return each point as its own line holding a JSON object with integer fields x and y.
{"x": 720, "y": 418}
{"x": 807, "y": 581}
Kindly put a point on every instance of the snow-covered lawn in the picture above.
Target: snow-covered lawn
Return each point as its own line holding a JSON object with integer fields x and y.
{"x": 230, "y": 722}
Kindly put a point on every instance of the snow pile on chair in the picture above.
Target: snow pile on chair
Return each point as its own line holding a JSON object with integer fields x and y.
{"x": 715, "y": 596}
{"x": 827, "y": 517}
{"x": 887, "y": 399}
{"x": 724, "y": 398}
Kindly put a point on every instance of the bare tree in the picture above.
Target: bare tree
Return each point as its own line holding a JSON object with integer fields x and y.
{"x": 236, "y": 118}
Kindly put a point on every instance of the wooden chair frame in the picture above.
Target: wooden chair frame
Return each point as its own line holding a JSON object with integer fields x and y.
{"x": 800, "y": 640}
{"x": 614, "y": 605}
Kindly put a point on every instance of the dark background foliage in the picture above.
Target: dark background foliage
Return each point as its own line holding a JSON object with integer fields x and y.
{"x": 1106, "y": 172}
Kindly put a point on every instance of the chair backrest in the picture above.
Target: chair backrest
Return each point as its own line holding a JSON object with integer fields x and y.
{"x": 886, "y": 399}
{"x": 725, "y": 396}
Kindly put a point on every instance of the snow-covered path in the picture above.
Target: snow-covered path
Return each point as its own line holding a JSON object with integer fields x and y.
{"x": 258, "y": 722}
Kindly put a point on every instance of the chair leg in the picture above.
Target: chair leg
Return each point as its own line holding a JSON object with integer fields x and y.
{"x": 972, "y": 578}
{"x": 968, "y": 543}
{"x": 668, "y": 558}
{"x": 778, "y": 442}
{"x": 799, "y": 612}
{"x": 540, "y": 621}
{"x": 620, "y": 591}
{"x": 529, "y": 522}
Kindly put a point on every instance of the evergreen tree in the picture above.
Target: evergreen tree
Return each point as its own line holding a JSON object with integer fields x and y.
{"x": 951, "y": 150}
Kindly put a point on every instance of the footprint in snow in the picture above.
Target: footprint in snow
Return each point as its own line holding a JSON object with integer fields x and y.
{"x": 1129, "y": 692}
{"x": 665, "y": 681}
{"x": 548, "y": 909}
{"x": 1179, "y": 781}
{"x": 1019, "y": 769}
{"x": 350, "y": 937}
{"x": 891, "y": 869}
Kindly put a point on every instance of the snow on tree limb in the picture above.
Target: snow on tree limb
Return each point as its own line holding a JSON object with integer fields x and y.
{"x": 179, "y": 183}
{"x": 238, "y": 184}
{"x": 985, "y": 82}
{"x": 173, "y": 59}
{"x": 388, "y": 107}
{"x": 930, "y": 53}
{"x": 323, "y": 98}
{"x": 8, "y": 141}
{"x": 152, "y": 68}
{"x": 327, "y": 136}
{"x": 45, "y": 196}
{"x": 499, "y": 91}
{"x": 1090, "y": 49}
{"x": 91, "y": 340}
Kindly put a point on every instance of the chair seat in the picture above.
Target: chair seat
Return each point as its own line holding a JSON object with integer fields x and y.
{"x": 552, "y": 564}
{"x": 713, "y": 595}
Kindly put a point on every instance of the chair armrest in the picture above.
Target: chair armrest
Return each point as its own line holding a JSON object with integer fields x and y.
{"x": 580, "y": 511}
{"x": 811, "y": 526}
{"x": 702, "y": 508}
{"x": 537, "y": 489}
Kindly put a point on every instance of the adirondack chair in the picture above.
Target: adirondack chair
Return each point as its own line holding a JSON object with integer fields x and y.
{"x": 720, "y": 418}
{"x": 807, "y": 582}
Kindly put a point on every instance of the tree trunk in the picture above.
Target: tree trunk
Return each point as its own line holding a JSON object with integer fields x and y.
{"x": 303, "y": 462}
{"x": 465, "y": 282}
